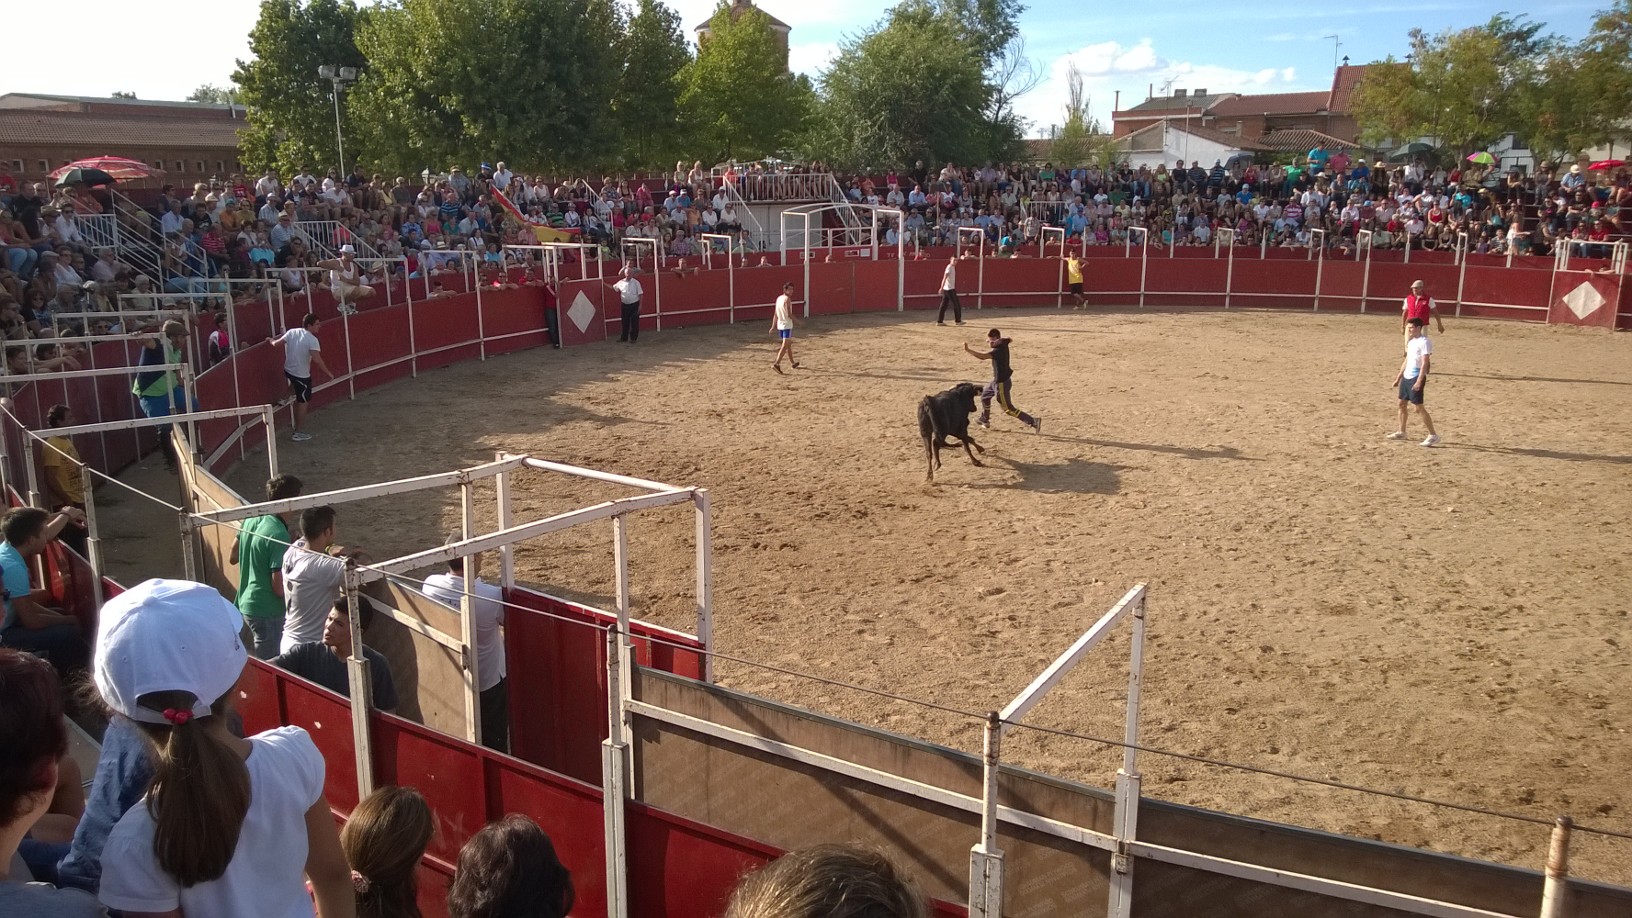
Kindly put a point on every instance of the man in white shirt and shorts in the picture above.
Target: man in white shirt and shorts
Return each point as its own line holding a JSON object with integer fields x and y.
{"x": 1412, "y": 378}
{"x": 301, "y": 349}
{"x": 782, "y": 327}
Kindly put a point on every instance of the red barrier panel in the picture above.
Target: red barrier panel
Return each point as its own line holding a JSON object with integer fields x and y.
{"x": 570, "y": 813}
{"x": 703, "y": 298}
{"x": 923, "y": 282}
{"x": 1390, "y": 283}
{"x": 583, "y": 311}
{"x": 1498, "y": 293}
{"x": 1584, "y": 298}
{"x": 445, "y": 330}
{"x": 1018, "y": 282}
{"x": 758, "y": 288}
{"x": 1340, "y": 283}
{"x": 1171, "y": 282}
{"x": 830, "y": 289}
{"x": 513, "y": 319}
{"x": 1273, "y": 285}
{"x": 1111, "y": 282}
{"x": 877, "y": 285}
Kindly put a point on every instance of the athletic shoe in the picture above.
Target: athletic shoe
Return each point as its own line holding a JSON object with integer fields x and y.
{"x": 1037, "y": 424}
{"x": 301, "y": 435}
{"x": 984, "y": 423}
{"x": 778, "y": 368}
{"x": 958, "y": 323}
{"x": 1397, "y": 435}
{"x": 943, "y": 324}
{"x": 1431, "y": 440}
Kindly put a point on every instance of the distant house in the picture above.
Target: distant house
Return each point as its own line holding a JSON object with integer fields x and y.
{"x": 739, "y": 8}
{"x": 1173, "y": 140}
{"x": 191, "y": 141}
{"x": 1253, "y": 116}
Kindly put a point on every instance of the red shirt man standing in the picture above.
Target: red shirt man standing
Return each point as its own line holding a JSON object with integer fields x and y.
{"x": 1419, "y": 305}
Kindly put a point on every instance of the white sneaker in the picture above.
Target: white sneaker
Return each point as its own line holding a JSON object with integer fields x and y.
{"x": 1430, "y": 440}
{"x": 301, "y": 435}
{"x": 1397, "y": 435}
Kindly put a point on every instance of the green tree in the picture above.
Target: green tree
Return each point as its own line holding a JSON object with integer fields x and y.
{"x": 737, "y": 96}
{"x": 289, "y": 110}
{"x": 646, "y": 101}
{"x": 1071, "y": 141}
{"x": 462, "y": 81}
{"x": 123, "y": 95}
{"x": 926, "y": 83}
{"x": 212, "y": 94}
{"x": 1604, "y": 73}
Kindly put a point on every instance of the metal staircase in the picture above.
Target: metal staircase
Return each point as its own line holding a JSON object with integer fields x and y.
{"x": 855, "y": 231}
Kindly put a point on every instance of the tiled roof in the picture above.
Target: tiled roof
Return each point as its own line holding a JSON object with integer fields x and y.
{"x": 1343, "y": 83}
{"x": 1175, "y": 103}
{"x": 109, "y": 134}
{"x": 1196, "y": 130}
{"x": 738, "y": 9}
{"x": 1275, "y": 103}
{"x": 1299, "y": 141}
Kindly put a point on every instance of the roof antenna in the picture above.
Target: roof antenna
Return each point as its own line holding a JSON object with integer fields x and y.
{"x": 1336, "y": 43}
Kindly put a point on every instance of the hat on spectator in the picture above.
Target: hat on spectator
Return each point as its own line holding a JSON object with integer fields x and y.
{"x": 88, "y": 285}
{"x": 348, "y": 249}
{"x": 167, "y": 636}
{"x": 1576, "y": 169}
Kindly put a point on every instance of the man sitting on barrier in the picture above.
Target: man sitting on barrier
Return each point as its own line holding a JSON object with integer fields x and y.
{"x": 346, "y": 279}
{"x": 324, "y": 662}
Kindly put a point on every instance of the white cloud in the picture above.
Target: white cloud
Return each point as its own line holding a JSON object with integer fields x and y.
{"x": 1108, "y": 67}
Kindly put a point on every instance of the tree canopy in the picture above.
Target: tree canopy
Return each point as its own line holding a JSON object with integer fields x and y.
{"x": 289, "y": 117}
{"x": 646, "y": 99}
{"x": 1463, "y": 89}
{"x": 736, "y": 95}
{"x": 211, "y": 93}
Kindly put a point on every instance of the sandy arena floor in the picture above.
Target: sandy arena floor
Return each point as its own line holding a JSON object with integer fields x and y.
{"x": 1449, "y": 623}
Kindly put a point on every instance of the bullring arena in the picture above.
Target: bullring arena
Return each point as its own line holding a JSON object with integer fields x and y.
{"x": 1445, "y": 623}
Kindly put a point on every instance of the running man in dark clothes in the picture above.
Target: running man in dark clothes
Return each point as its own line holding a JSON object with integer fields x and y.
{"x": 1001, "y": 387}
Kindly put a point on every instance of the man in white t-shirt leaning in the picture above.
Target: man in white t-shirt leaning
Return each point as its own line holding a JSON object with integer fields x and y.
{"x": 487, "y": 604}
{"x": 301, "y": 349}
{"x": 314, "y": 570}
{"x": 1412, "y": 380}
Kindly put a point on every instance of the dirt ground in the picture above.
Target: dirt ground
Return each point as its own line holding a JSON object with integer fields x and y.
{"x": 1447, "y": 622}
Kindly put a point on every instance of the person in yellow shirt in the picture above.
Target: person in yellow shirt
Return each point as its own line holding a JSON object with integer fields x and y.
{"x": 1073, "y": 276}
{"x": 63, "y": 485}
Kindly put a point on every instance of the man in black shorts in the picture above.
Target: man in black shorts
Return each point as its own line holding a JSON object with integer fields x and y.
{"x": 301, "y": 349}
{"x": 1002, "y": 382}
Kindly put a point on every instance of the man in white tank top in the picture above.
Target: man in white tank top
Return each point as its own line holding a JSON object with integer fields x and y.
{"x": 346, "y": 279}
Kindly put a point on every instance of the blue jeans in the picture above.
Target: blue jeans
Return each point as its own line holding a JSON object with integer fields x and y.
{"x": 265, "y": 635}
{"x": 21, "y": 260}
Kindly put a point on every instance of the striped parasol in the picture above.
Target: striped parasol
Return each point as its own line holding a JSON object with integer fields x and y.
{"x": 122, "y": 169}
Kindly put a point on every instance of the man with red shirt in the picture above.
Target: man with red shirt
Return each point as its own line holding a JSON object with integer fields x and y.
{"x": 1419, "y": 305}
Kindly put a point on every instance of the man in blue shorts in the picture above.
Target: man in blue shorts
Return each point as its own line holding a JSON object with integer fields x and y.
{"x": 1413, "y": 376}
{"x": 782, "y": 327}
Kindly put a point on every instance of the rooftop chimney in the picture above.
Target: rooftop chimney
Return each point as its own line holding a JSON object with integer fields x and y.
{"x": 1178, "y": 93}
{"x": 1200, "y": 92}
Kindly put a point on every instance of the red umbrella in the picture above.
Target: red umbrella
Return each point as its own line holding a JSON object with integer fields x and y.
{"x": 125, "y": 170}
{"x": 1604, "y": 164}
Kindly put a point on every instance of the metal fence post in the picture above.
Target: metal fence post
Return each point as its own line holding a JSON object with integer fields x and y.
{"x": 614, "y": 781}
{"x": 1556, "y": 889}
{"x": 362, "y": 688}
{"x": 1126, "y": 817}
{"x": 986, "y": 858}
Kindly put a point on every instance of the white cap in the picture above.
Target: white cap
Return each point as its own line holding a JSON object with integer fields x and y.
{"x": 347, "y": 249}
{"x": 167, "y": 636}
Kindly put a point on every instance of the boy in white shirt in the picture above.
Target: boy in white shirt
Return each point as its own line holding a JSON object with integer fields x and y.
{"x": 301, "y": 350}
{"x": 1413, "y": 376}
{"x": 782, "y": 327}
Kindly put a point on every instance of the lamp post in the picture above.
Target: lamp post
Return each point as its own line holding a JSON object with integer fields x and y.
{"x": 338, "y": 77}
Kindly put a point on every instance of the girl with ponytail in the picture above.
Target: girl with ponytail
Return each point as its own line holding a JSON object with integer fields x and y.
{"x": 229, "y": 826}
{"x": 384, "y": 838}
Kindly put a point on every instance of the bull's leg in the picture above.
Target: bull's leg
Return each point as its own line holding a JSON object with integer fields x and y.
{"x": 968, "y": 442}
{"x": 931, "y": 458}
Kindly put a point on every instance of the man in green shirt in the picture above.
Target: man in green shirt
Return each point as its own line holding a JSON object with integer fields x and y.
{"x": 258, "y": 552}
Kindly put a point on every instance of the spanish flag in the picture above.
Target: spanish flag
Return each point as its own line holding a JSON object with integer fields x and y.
{"x": 544, "y": 233}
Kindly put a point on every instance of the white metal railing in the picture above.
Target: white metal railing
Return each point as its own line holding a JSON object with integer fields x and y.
{"x": 783, "y": 187}
{"x": 327, "y": 236}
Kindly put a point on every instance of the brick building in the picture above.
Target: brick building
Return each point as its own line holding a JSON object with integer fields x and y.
{"x": 739, "y": 8}
{"x": 1251, "y": 117}
{"x": 192, "y": 142}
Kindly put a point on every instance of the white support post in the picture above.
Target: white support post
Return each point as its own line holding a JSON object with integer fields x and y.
{"x": 1556, "y": 888}
{"x": 1144, "y": 257}
{"x": 1320, "y": 259}
{"x": 413, "y": 349}
{"x": 1226, "y": 237}
{"x": 189, "y": 564}
{"x": 1042, "y": 252}
{"x": 362, "y": 688}
{"x": 269, "y": 419}
{"x": 1362, "y": 240}
{"x": 1462, "y": 274}
{"x": 507, "y": 554}
{"x": 986, "y": 858}
{"x": 620, "y": 561}
{"x": 705, "y": 579}
{"x": 614, "y": 781}
{"x": 467, "y": 618}
{"x": 980, "y": 253}
{"x": 351, "y": 367}
{"x": 93, "y": 537}
{"x": 481, "y": 331}
{"x": 1126, "y": 816}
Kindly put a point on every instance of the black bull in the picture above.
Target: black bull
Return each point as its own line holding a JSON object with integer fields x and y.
{"x": 946, "y": 414}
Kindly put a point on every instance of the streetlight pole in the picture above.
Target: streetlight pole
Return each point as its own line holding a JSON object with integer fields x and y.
{"x": 338, "y": 77}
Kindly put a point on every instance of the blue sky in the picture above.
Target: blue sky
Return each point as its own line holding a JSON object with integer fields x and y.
{"x": 1126, "y": 47}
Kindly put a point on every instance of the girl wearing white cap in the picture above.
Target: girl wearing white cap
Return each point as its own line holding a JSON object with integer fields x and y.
{"x": 229, "y": 826}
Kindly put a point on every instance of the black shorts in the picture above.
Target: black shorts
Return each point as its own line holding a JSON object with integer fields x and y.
{"x": 1076, "y": 289}
{"x": 1409, "y": 392}
{"x": 302, "y": 386}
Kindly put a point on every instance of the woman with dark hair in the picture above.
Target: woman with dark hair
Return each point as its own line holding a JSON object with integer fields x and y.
{"x": 230, "y": 825}
{"x": 33, "y": 740}
{"x": 384, "y": 839}
{"x": 509, "y": 870}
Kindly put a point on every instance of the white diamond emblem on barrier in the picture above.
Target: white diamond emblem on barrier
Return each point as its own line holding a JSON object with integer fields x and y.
{"x": 1584, "y": 300}
{"x": 581, "y": 312}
